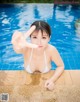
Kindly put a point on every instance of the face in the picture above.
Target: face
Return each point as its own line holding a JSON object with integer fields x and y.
{"x": 40, "y": 39}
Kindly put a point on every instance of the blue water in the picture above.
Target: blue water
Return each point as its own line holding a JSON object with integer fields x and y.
{"x": 61, "y": 18}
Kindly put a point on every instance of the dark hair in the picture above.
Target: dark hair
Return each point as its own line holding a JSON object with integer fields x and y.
{"x": 43, "y": 26}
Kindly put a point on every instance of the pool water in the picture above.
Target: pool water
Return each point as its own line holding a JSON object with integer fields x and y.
{"x": 61, "y": 18}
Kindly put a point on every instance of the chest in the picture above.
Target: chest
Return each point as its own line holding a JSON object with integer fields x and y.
{"x": 37, "y": 61}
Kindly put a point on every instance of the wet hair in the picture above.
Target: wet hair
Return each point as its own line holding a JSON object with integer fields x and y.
{"x": 43, "y": 26}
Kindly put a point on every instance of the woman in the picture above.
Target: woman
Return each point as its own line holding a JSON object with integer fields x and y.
{"x": 38, "y": 54}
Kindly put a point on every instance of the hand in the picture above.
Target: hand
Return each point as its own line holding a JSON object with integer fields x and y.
{"x": 49, "y": 84}
{"x": 19, "y": 40}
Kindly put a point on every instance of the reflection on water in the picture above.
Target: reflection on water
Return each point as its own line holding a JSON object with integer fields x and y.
{"x": 30, "y": 13}
{"x": 64, "y": 27}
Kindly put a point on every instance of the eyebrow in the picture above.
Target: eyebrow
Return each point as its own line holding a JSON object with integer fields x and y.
{"x": 42, "y": 35}
{"x": 34, "y": 35}
{"x": 45, "y": 35}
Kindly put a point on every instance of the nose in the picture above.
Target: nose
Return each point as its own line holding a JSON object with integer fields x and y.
{"x": 39, "y": 41}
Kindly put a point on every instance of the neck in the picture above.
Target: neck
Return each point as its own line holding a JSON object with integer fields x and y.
{"x": 38, "y": 51}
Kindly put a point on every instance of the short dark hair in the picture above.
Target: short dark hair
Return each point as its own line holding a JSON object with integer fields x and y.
{"x": 43, "y": 26}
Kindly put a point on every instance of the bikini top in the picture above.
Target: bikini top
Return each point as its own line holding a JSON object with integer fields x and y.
{"x": 46, "y": 69}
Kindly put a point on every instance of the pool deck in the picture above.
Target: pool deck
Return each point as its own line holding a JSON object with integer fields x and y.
{"x": 24, "y": 87}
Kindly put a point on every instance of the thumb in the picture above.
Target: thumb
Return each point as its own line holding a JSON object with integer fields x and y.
{"x": 29, "y": 32}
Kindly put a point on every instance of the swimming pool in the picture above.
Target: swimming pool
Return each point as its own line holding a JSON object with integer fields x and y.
{"x": 61, "y": 19}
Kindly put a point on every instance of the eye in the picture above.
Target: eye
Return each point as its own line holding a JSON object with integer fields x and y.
{"x": 35, "y": 37}
{"x": 44, "y": 37}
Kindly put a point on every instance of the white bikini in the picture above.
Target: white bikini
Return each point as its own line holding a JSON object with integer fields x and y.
{"x": 46, "y": 69}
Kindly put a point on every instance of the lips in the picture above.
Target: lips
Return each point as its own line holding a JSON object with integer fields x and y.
{"x": 40, "y": 46}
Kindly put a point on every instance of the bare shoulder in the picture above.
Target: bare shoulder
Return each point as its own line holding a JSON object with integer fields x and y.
{"x": 52, "y": 48}
{"x": 55, "y": 55}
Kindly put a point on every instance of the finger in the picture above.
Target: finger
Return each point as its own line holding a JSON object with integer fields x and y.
{"x": 31, "y": 45}
{"x": 29, "y": 32}
{"x": 13, "y": 41}
{"x": 16, "y": 35}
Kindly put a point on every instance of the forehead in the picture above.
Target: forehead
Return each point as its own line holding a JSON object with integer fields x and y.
{"x": 43, "y": 33}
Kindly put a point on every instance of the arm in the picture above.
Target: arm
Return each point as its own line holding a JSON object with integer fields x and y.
{"x": 55, "y": 57}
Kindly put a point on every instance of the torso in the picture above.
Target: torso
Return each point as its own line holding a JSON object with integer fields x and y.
{"x": 37, "y": 61}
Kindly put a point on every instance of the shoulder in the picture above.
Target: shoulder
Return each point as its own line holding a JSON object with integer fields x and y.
{"x": 53, "y": 52}
{"x": 52, "y": 48}
{"x": 55, "y": 56}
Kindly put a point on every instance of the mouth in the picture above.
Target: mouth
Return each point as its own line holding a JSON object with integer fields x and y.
{"x": 40, "y": 46}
